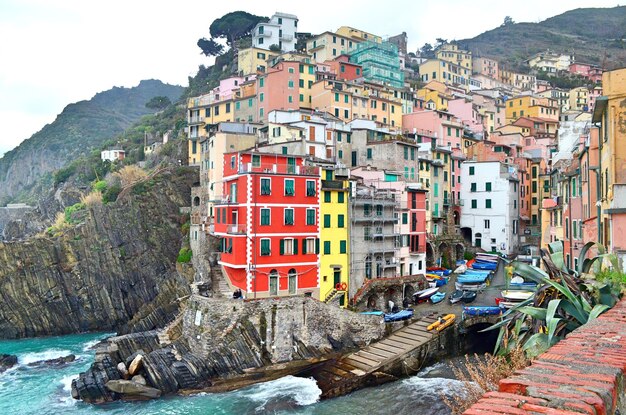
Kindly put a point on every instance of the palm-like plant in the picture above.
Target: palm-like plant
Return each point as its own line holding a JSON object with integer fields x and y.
{"x": 565, "y": 299}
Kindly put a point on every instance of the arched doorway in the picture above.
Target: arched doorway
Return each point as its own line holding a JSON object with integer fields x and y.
{"x": 459, "y": 251}
{"x": 273, "y": 282}
{"x": 466, "y": 233}
{"x": 379, "y": 266}
{"x": 292, "y": 277}
{"x": 368, "y": 267}
{"x": 444, "y": 253}
{"x": 478, "y": 240}
{"x": 372, "y": 302}
{"x": 196, "y": 201}
{"x": 408, "y": 292}
{"x": 430, "y": 254}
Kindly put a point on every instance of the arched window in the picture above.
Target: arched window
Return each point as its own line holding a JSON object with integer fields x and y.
{"x": 293, "y": 281}
{"x": 478, "y": 240}
{"x": 273, "y": 282}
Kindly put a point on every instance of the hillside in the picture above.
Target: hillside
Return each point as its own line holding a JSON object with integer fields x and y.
{"x": 593, "y": 35}
{"x": 80, "y": 128}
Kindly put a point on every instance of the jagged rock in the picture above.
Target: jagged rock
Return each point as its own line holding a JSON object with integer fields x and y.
{"x": 121, "y": 367}
{"x": 136, "y": 365}
{"x": 132, "y": 390}
{"x": 7, "y": 361}
{"x": 139, "y": 379}
{"x": 132, "y": 357}
{"x": 113, "y": 272}
{"x": 90, "y": 385}
{"x": 59, "y": 361}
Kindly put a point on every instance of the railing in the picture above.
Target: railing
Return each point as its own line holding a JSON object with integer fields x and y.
{"x": 236, "y": 229}
{"x": 332, "y": 184}
{"x": 265, "y": 33}
{"x": 279, "y": 169}
{"x": 286, "y": 37}
{"x": 224, "y": 199}
{"x": 196, "y": 120}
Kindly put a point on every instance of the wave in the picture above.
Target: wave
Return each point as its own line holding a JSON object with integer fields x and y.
{"x": 27, "y": 358}
{"x": 301, "y": 391}
{"x": 436, "y": 386}
{"x": 66, "y": 397}
{"x": 88, "y": 346}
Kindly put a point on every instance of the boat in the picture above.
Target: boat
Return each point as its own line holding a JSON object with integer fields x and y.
{"x": 471, "y": 278}
{"x": 439, "y": 270}
{"x": 448, "y": 318}
{"x": 501, "y": 302}
{"x": 470, "y": 287}
{"x": 456, "y": 296}
{"x": 399, "y": 316}
{"x": 447, "y": 323}
{"x": 441, "y": 282}
{"x": 373, "y": 313}
{"x": 526, "y": 286}
{"x": 437, "y": 297}
{"x": 482, "y": 310}
{"x": 468, "y": 296}
{"x": 485, "y": 265}
{"x": 478, "y": 272}
{"x": 460, "y": 269}
{"x": 433, "y": 277}
{"x": 424, "y": 295}
{"x": 516, "y": 295}
{"x": 484, "y": 256}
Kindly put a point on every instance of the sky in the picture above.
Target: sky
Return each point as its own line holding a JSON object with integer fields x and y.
{"x": 53, "y": 53}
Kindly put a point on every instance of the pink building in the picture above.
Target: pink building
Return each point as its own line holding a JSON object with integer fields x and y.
{"x": 467, "y": 112}
{"x": 279, "y": 88}
{"x": 591, "y": 72}
{"x": 447, "y": 128}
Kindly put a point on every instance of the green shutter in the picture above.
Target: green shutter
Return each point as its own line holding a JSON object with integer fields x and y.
{"x": 304, "y": 246}
{"x": 343, "y": 247}
{"x": 327, "y": 221}
{"x": 340, "y": 221}
{"x": 282, "y": 247}
{"x": 295, "y": 246}
{"x": 317, "y": 245}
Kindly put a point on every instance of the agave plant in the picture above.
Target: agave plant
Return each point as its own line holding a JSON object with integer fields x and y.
{"x": 563, "y": 302}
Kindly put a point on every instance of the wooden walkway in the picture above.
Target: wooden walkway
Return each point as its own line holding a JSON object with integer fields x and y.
{"x": 360, "y": 368}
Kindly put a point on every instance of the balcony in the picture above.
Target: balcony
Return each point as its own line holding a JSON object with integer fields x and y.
{"x": 286, "y": 37}
{"x": 224, "y": 200}
{"x": 320, "y": 44}
{"x": 195, "y": 120}
{"x": 332, "y": 185}
{"x": 265, "y": 33}
{"x": 279, "y": 169}
{"x": 374, "y": 218}
{"x": 236, "y": 229}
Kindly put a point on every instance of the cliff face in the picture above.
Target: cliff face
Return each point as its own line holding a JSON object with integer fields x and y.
{"x": 117, "y": 267}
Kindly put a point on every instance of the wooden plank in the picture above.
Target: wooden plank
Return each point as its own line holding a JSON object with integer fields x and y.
{"x": 421, "y": 334}
{"x": 337, "y": 371}
{"x": 357, "y": 364}
{"x": 380, "y": 352}
{"x": 387, "y": 348}
{"x": 365, "y": 360}
{"x": 372, "y": 355}
{"x": 406, "y": 343}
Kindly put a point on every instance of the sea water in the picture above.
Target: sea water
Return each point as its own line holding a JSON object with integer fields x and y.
{"x": 46, "y": 389}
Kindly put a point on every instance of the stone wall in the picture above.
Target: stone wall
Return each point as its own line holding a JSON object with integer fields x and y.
{"x": 582, "y": 374}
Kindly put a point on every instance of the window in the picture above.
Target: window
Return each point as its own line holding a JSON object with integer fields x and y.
{"x": 256, "y": 160}
{"x": 369, "y": 153}
{"x": 341, "y": 197}
{"x": 290, "y": 83}
{"x": 474, "y": 204}
{"x": 406, "y": 153}
{"x": 289, "y": 219}
{"x": 367, "y": 209}
{"x": 327, "y": 221}
{"x": 326, "y": 247}
{"x": 405, "y": 218}
{"x": 367, "y": 233}
{"x": 290, "y": 99}
{"x": 309, "y": 246}
{"x": 346, "y": 98}
{"x": 310, "y": 188}
{"x": 534, "y": 201}
{"x": 310, "y": 216}
{"x": 473, "y": 187}
{"x": 261, "y": 82}
{"x": 488, "y": 203}
{"x": 265, "y": 247}
{"x": 261, "y": 97}
{"x": 343, "y": 247}
{"x": 227, "y": 107}
{"x": 327, "y": 197}
{"x": 265, "y": 217}
{"x": 379, "y": 210}
{"x": 488, "y": 186}
{"x": 340, "y": 221}
{"x": 288, "y": 246}
{"x": 471, "y": 170}
{"x": 289, "y": 187}
{"x": 487, "y": 223}
{"x": 266, "y": 186}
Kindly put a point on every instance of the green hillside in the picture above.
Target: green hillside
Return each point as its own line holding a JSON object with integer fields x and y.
{"x": 592, "y": 35}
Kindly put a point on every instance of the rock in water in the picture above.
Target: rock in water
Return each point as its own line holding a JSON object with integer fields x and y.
{"x": 59, "y": 361}
{"x": 121, "y": 367}
{"x": 139, "y": 379}
{"x": 132, "y": 390}
{"x": 7, "y": 361}
{"x": 136, "y": 365}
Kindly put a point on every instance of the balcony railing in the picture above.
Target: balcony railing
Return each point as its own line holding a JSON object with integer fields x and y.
{"x": 224, "y": 199}
{"x": 286, "y": 37}
{"x": 236, "y": 229}
{"x": 265, "y": 33}
{"x": 196, "y": 120}
{"x": 332, "y": 185}
{"x": 279, "y": 169}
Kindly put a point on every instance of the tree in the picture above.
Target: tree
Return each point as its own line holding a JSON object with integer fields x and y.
{"x": 508, "y": 21}
{"x": 440, "y": 42}
{"x": 275, "y": 48}
{"x": 158, "y": 103}
{"x": 210, "y": 47}
{"x": 426, "y": 51}
{"x": 234, "y": 25}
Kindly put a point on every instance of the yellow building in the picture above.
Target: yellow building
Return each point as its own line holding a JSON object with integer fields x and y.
{"x": 434, "y": 94}
{"x": 358, "y": 35}
{"x": 334, "y": 223}
{"x": 447, "y": 72}
{"x": 253, "y": 60}
{"x": 328, "y": 45}
{"x": 579, "y": 99}
{"x": 450, "y": 52}
{"x": 531, "y": 106}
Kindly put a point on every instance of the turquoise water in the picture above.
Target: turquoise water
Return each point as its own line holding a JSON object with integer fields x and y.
{"x": 46, "y": 390}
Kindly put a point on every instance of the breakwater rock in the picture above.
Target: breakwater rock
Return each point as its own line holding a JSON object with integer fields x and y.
{"x": 221, "y": 344}
{"x": 115, "y": 270}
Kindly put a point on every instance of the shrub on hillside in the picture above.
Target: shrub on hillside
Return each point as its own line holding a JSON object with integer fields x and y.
{"x": 130, "y": 174}
{"x": 92, "y": 199}
{"x": 184, "y": 255}
{"x": 70, "y": 210}
{"x": 100, "y": 186}
{"x": 111, "y": 193}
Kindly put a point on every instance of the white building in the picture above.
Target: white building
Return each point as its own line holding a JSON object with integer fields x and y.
{"x": 490, "y": 208}
{"x": 280, "y": 31}
{"x": 112, "y": 155}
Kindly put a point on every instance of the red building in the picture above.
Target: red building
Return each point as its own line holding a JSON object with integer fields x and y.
{"x": 269, "y": 224}
{"x": 344, "y": 69}
{"x": 416, "y": 205}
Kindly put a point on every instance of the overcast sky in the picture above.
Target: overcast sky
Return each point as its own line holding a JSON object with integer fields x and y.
{"x": 53, "y": 53}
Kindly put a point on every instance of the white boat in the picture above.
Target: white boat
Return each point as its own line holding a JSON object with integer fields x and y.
{"x": 517, "y": 280}
{"x": 470, "y": 287}
{"x": 480, "y": 256}
{"x": 460, "y": 269}
{"x": 512, "y": 295}
{"x": 426, "y": 293}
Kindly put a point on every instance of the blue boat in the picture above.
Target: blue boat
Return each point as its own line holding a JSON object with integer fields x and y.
{"x": 373, "y": 313}
{"x": 471, "y": 279}
{"x": 437, "y": 297}
{"x": 482, "y": 310}
{"x": 399, "y": 316}
{"x": 440, "y": 272}
{"x": 477, "y": 272}
{"x": 485, "y": 265}
{"x": 441, "y": 282}
{"x": 523, "y": 285}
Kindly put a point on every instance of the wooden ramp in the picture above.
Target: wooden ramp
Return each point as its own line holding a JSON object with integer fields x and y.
{"x": 360, "y": 369}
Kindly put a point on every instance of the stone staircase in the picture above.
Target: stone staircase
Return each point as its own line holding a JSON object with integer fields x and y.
{"x": 221, "y": 287}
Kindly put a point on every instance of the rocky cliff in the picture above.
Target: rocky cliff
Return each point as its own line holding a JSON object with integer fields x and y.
{"x": 114, "y": 271}
{"x": 222, "y": 344}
